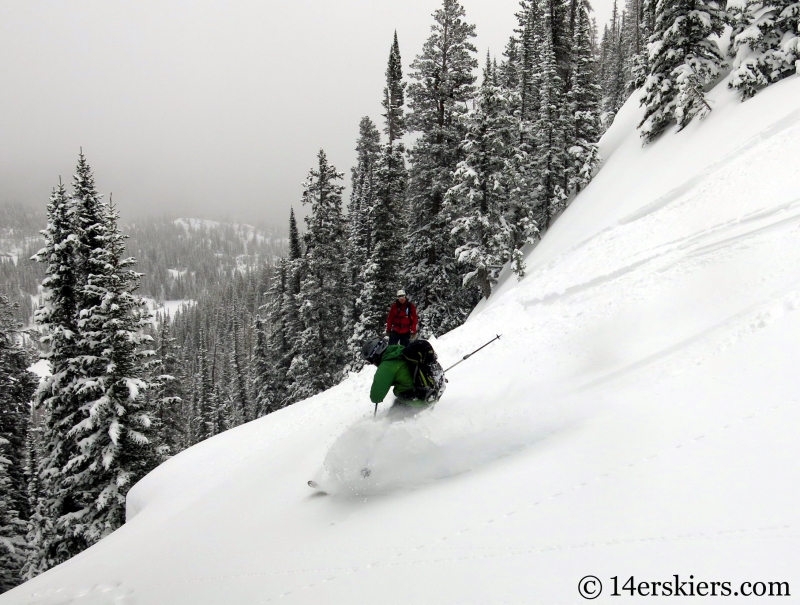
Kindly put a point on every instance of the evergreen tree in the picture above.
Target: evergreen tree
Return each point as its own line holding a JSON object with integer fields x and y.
{"x": 584, "y": 104}
{"x": 242, "y": 407}
{"x": 362, "y": 222}
{"x": 58, "y": 397}
{"x": 291, "y": 324}
{"x": 320, "y": 346}
{"x": 767, "y": 49}
{"x": 683, "y": 59}
{"x": 273, "y": 353}
{"x": 638, "y": 28}
{"x": 475, "y": 205}
{"x": 17, "y": 386}
{"x": 205, "y": 403}
{"x": 166, "y": 394}
{"x": 613, "y": 60}
{"x": 263, "y": 379}
{"x": 113, "y": 436}
{"x": 380, "y": 272}
{"x": 551, "y": 125}
{"x": 95, "y": 423}
{"x": 443, "y": 83}
{"x": 394, "y": 95}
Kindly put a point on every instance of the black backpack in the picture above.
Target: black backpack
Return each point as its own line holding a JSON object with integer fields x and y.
{"x": 428, "y": 375}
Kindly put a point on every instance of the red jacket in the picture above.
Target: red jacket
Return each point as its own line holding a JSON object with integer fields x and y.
{"x": 402, "y": 318}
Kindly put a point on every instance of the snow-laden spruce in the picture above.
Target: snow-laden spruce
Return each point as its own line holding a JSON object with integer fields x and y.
{"x": 683, "y": 60}
{"x": 321, "y": 346}
{"x": 443, "y": 83}
{"x": 766, "y": 46}
{"x": 488, "y": 213}
{"x": 17, "y": 385}
{"x": 94, "y": 442}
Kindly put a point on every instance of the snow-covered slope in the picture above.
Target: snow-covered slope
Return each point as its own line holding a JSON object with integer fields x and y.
{"x": 637, "y": 418}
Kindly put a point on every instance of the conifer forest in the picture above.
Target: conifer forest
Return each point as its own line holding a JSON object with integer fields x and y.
{"x": 152, "y": 335}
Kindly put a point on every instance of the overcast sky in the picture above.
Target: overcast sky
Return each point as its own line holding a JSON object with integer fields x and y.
{"x": 202, "y": 107}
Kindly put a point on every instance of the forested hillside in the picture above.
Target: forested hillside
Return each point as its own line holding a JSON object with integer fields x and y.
{"x": 180, "y": 258}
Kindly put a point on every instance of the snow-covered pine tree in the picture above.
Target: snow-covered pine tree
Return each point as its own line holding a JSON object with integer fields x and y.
{"x": 550, "y": 129}
{"x": 321, "y": 346}
{"x": 39, "y": 528}
{"x": 443, "y": 83}
{"x": 57, "y": 398}
{"x": 17, "y": 386}
{"x": 394, "y": 95}
{"x": 683, "y": 59}
{"x": 584, "y": 103}
{"x": 360, "y": 228}
{"x": 508, "y": 72}
{"x": 12, "y": 526}
{"x": 262, "y": 376}
{"x": 768, "y": 48}
{"x": 273, "y": 352}
{"x": 529, "y": 19}
{"x": 638, "y": 28}
{"x": 167, "y": 394}
{"x": 290, "y": 312}
{"x": 613, "y": 59}
{"x": 380, "y": 276}
{"x": 475, "y": 205}
{"x": 242, "y": 406}
{"x": 113, "y": 436}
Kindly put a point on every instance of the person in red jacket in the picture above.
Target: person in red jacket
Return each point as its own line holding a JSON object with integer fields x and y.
{"x": 401, "y": 325}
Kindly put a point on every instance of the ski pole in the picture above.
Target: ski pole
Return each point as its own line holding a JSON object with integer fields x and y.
{"x": 375, "y": 415}
{"x": 468, "y": 355}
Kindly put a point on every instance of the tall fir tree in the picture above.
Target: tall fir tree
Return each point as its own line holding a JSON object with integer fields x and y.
{"x": 262, "y": 374}
{"x": 613, "y": 61}
{"x": 476, "y": 204}
{"x": 361, "y": 226}
{"x": 274, "y": 349}
{"x": 17, "y": 386}
{"x": 95, "y": 425}
{"x": 115, "y": 449}
{"x": 550, "y": 128}
{"x": 167, "y": 394}
{"x": 584, "y": 103}
{"x": 320, "y": 346}
{"x": 683, "y": 59}
{"x": 291, "y": 324}
{"x": 57, "y": 398}
{"x": 380, "y": 273}
{"x": 394, "y": 95}
{"x": 443, "y": 83}
{"x": 240, "y": 396}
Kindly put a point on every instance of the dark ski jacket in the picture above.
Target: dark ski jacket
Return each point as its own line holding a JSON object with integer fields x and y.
{"x": 392, "y": 372}
{"x": 402, "y": 318}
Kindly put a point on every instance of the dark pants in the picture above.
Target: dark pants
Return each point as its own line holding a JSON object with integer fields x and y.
{"x": 395, "y": 338}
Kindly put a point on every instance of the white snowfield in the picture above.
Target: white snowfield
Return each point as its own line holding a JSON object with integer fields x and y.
{"x": 639, "y": 417}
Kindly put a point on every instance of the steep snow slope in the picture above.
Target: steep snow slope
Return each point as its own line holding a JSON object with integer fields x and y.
{"x": 638, "y": 417}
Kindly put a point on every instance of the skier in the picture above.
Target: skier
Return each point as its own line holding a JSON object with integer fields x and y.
{"x": 395, "y": 365}
{"x": 392, "y": 371}
{"x": 401, "y": 325}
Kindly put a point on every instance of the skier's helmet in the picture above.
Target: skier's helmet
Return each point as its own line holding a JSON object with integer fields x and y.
{"x": 373, "y": 349}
